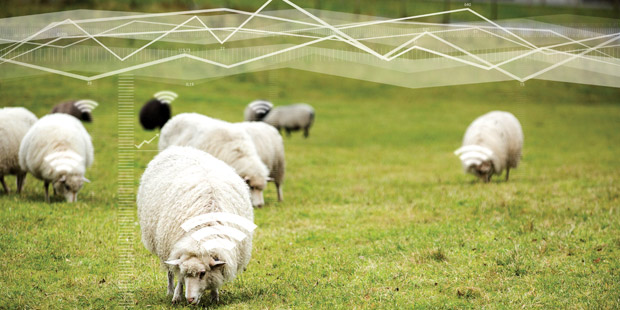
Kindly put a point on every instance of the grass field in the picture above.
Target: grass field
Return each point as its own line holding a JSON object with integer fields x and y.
{"x": 377, "y": 212}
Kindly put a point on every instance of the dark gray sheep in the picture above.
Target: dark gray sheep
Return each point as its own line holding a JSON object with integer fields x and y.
{"x": 291, "y": 118}
{"x": 69, "y": 107}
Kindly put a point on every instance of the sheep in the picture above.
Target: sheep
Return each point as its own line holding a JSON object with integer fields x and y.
{"x": 57, "y": 149}
{"x": 181, "y": 184}
{"x": 291, "y": 117}
{"x": 492, "y": 143}
{"x": 256, "y": 110}
{"x": 154, "y": 114}
{"x": 69, "y": 107}
{"x": 14, "y": 123}
{"x": 222, "y": 140}
{"x": 270, "y": 148}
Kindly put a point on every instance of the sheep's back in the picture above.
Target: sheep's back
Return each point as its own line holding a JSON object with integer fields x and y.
{"x": 218, "y": 138}
{"x": 291, "y": 116}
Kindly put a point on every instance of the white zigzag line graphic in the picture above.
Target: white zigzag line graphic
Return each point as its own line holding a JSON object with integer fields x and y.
{"x": 341, "y": 36}
{"x": 146, "y": 142}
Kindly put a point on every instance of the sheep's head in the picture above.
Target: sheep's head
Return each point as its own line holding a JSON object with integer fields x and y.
{"x": 257, "y": 184}
{"x": 478, "y": 160}
{"x": 483, "y": 170}
{"x": 69, "y": 186}
{"x": 199, "y": 275}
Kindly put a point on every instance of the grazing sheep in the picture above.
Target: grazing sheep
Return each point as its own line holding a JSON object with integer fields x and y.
{"x": 14, "y": 123}
{"x": 57, "y": 149}
{"x": 291, "y": 117}
{"x": 222, "y": 140}
{"x": 68, "y": 107}
{"x": 182, "y": 183}
{"x": 154, "y": 114}
{"x": 270, "y": 148}
{"x": 256, "y": 110}
{"x": 491, "y": 143}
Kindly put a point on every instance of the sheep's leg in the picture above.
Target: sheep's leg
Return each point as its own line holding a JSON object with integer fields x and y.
{"x": 279, "y": 189}
{"x": 20, "y": 182}
{"x": 178, "y": 291}
{"x": 47, "y": 194}
{"x": 306, "y": 132}
{"x": 288, "y": 132}
{"x": 215, "y": 296}
{"x": 507, "y": 173}
{"x": 6, "y": 188}
{"x": 170, "y": 283}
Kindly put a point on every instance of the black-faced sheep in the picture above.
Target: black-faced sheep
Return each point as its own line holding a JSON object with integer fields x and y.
{"x": 14, "y": 123}
{"x": 492, "y": 143}
{"x": 154, "y": 114}
{"x": 180, "y": 186}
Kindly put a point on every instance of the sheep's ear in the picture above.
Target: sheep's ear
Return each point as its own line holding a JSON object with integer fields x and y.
{"x": 270, "y": 179}
{"x": 173, "y": 262}
{"x": 214, "y": 264}
{"x": 85, "y": 180}
{"x": 63, "y": 178}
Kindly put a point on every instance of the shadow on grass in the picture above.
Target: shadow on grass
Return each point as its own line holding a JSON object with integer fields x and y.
{"x": 35, "y": 197}
{"x": 157, "y": 297}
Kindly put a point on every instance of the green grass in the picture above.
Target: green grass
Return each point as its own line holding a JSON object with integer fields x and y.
{"x": 377, "y": 212}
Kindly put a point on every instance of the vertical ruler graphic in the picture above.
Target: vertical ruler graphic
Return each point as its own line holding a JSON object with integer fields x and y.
{"x": 126, "y": 190}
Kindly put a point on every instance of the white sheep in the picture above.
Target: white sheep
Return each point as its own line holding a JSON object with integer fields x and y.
{"x": 221, "y": 139}
{"x": 492, "y": 143}
{"x": 14, "y": 123}
{"x": 270, "y": 148}
{"x": 291, "y": 118}
{"x": 57, "y": 149}
{"x": 184, "y": 184}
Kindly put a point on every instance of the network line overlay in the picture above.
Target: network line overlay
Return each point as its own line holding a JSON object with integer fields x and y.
{"x": 415, "y": 51}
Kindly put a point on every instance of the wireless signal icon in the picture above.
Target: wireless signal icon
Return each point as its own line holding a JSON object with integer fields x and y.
{"x": 473, "y": 154}
{"x": 261, "y": 106}
{"x": 166, "y": 96}
{"x": 86, "y": 105}
{"x": 66, "y": 161}
{"x": 205, "y": 234}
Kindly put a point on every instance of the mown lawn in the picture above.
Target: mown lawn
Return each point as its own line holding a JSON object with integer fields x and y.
{"x": 377, "y": 212}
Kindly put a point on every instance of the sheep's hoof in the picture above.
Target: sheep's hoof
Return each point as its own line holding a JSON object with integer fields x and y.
{"x": 215, "y": 296}
{"x": 177, "y": 299}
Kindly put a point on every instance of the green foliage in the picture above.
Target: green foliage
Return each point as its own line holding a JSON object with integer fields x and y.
{"x": 387, "y": 8}
{"x": 377, "y": 212}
